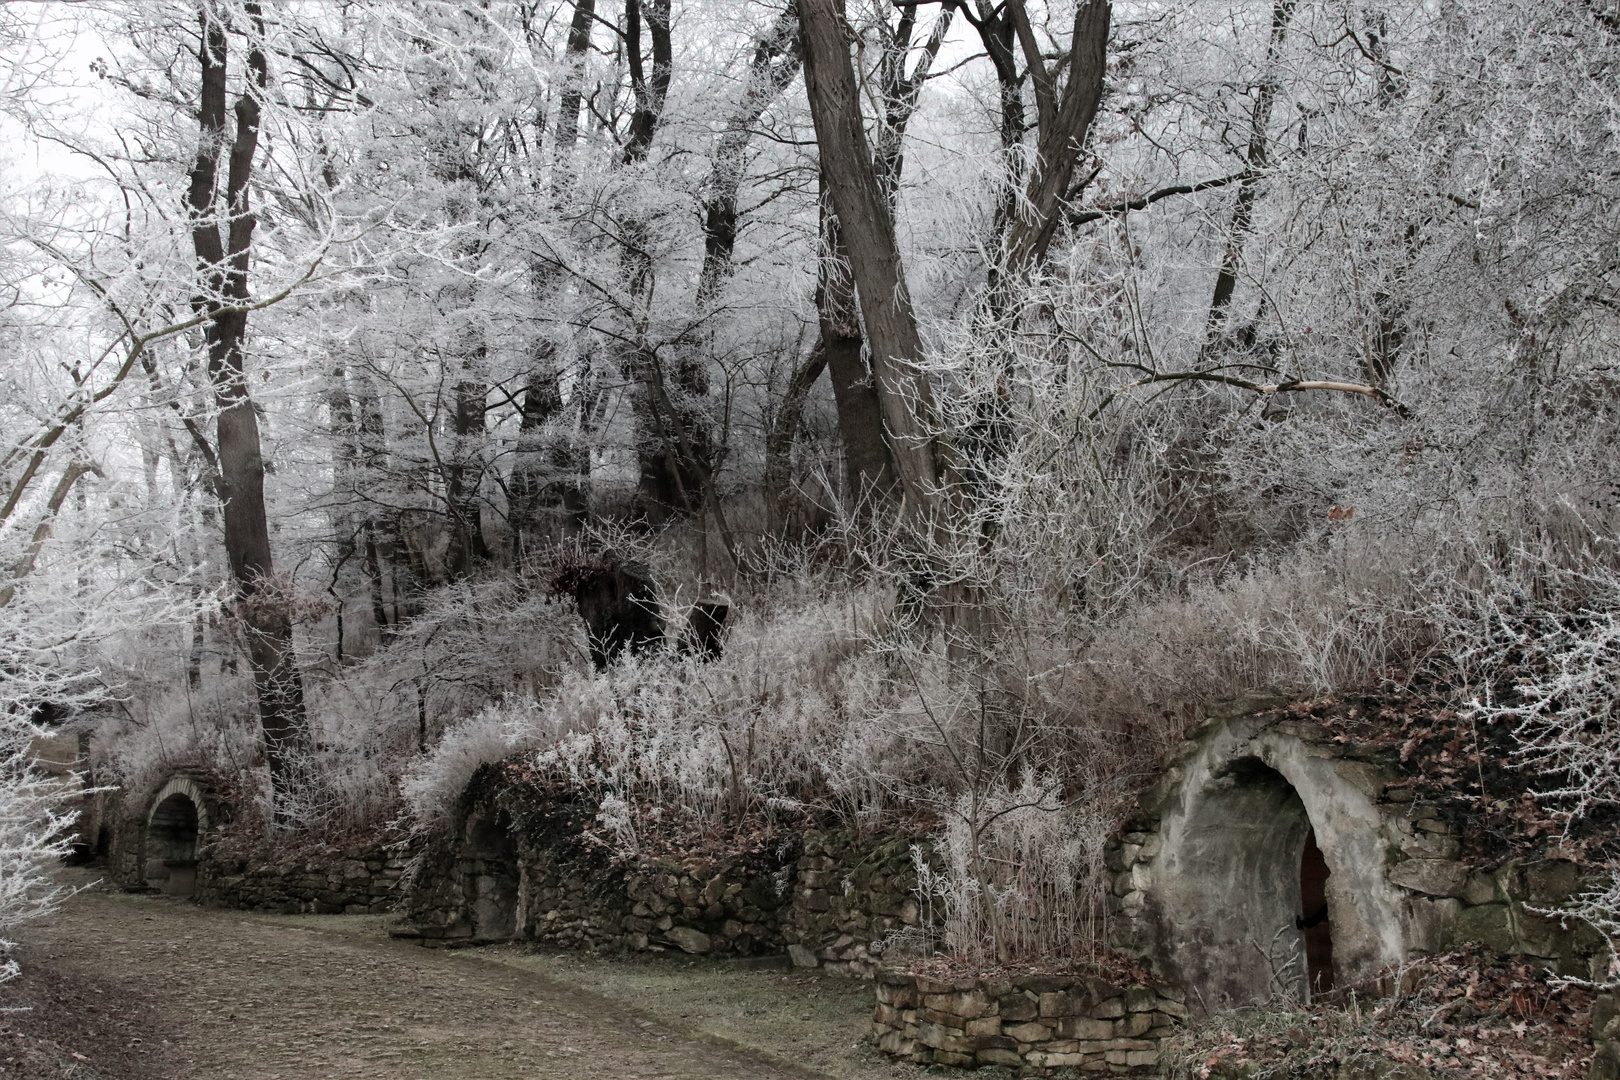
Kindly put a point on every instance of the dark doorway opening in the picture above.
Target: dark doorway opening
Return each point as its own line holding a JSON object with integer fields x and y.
{"x": 1313, "y": 875}
{"x": 171, "y": 846}
{"x": 492, "y": 877}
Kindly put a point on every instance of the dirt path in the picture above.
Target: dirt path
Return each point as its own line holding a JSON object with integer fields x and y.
{"x": 230, "y": 995}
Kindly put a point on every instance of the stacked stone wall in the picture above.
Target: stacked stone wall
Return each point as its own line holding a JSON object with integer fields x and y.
{"x": 1035, "y": 1021}
{"x": 852, "y": 895}
{"x": 827, "y": 898}
{"x": 353, "y": 881}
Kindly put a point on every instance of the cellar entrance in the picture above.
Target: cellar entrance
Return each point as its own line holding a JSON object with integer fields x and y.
{"x": 1314, "y": 920}
{"x": 1248, "y": 886}
{"x": 492, "y": 877}
{"x": 171, "y": 846}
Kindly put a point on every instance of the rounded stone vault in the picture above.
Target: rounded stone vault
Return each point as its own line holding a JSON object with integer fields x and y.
{"x": 1259, "y": 867}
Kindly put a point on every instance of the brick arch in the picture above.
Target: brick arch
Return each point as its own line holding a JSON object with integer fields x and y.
{"x": 183, "y": 785}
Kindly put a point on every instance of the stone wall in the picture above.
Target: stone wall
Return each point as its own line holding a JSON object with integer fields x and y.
{"x": 1037, "y": 1021}
{"x": 354, "y": 881}
{"x": 515, "y": 868}
{"x": 851, "y": 894}
{"x": 1605, "y": 1039}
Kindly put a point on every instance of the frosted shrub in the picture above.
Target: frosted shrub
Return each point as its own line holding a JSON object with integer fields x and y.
{"x": 334, "y": 792}
{"x": 1023, "y": 876}
{"x": 35, "y": 826}
{"x": 212, "y": 728}
{"x": 1551, "y": 668}
{"x": 767, "y": 726}
{"x": 35, "y": 832}
{"x": 1565, "y": 699}
{"x": 435, "y": 780}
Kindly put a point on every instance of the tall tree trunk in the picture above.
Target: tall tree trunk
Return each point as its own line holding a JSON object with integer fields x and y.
{"x": 223, "y": 263}
{"x": 345, "y": 484}
{"x": 1065, "y": 124}
{"x": 868, "y": 229}
{"x": 573, "y": 94}
{"x": 384, "y": 549}
{"x": 774, "y": 65}
{"x": 549, "y": 498}
{"x": 668, "y": 482}
{"x": 464, "y": 475}
{"x": 869, "y": 473}
{"x": 1000, "y": 40}
{"x": 779, "y": 441}
{"x": 650, "y": 91}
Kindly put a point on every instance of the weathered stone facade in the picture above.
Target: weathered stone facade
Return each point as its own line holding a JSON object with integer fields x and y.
{"x": 146, "y": 842}
{"x": 1034, "y": 1021}
{"x": 851, "y": 893}
{"x": 1207, "y": 882}
{"x": 512, "y": 869}
{"x": 1605, "y": 1039}
{"x": 142, "y": 857}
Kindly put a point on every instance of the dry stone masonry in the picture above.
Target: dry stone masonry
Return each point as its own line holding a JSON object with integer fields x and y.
{"x": 512, "y": 870}
{"x": 169, "y": 840}
{"x": 1032, "y": 1021}
{"x": 852, "y": 896}
{"x": 352, "y": 881}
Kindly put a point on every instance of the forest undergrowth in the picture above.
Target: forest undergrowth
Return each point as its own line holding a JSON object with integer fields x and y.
{"x": 1457, "y": 1016}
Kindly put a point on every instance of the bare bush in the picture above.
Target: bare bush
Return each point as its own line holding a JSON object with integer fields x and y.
{"x": 1023, "y": 876}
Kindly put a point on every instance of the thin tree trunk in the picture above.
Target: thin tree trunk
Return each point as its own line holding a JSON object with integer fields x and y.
{"x": 1000, "y": 44}
{"x": 668, "y": 482}
{"x": 345, "y": 484}
{"x": 900, "y": 91}
{"x": 42, "y": 532}
{"x": 1249, "y": 187}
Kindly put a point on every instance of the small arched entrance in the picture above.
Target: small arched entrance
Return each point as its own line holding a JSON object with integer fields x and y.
{"x": 1237, "y": 887}
{"x": 1262, "y": 868}
{"x": 171, "y": 845}
{"x": 491, "y": 876}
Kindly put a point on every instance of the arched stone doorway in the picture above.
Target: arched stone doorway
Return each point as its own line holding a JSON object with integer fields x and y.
{"x": 1233, "y": 875}
{"x": 491, "y": 876}
{"x": 1264, "y": 871}
{"x": 177, "y": 820}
